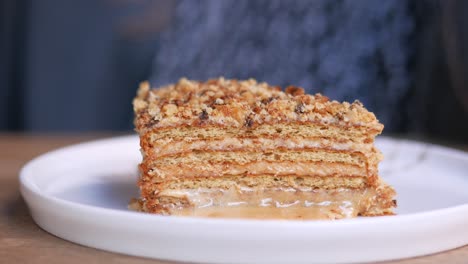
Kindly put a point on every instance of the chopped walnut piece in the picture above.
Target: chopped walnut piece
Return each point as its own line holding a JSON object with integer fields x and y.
{"x": 294, "y": 90}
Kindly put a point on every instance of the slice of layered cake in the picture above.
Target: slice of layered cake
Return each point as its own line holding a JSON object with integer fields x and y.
{"x": 228, "y": 148}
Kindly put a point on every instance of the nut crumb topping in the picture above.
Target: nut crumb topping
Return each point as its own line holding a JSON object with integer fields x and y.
{"x": 237, "y": 103}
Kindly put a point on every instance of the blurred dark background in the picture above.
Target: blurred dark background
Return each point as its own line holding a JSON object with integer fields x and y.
{"x": 74, "y": 66}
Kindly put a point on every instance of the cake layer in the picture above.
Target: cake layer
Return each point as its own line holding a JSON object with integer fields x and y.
{"x": 273, "y": 202}
{"x": 151, "y": 187}
{"x": 306, "y": 130}
{"x": 278, "y": 155}
{"x": 169, "y": 171}
{"x": 169, "y": 146}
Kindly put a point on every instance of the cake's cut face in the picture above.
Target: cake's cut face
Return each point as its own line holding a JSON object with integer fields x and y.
{"x": 228, "y": 148}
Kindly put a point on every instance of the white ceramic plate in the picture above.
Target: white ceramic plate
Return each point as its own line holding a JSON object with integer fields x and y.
{"x": 80, "y": 193}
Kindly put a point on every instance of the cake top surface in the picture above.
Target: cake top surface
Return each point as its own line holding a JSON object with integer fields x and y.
{"x": 237, "y": 103}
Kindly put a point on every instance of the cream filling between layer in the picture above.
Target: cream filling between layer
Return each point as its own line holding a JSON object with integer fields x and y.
{"x": 284, "y": 203}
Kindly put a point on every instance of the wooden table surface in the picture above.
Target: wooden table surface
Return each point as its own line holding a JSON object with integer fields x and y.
{"x": 22, "y": 241}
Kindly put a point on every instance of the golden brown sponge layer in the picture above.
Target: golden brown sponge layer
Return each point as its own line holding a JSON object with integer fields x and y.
{"x": 288, "y": 129}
